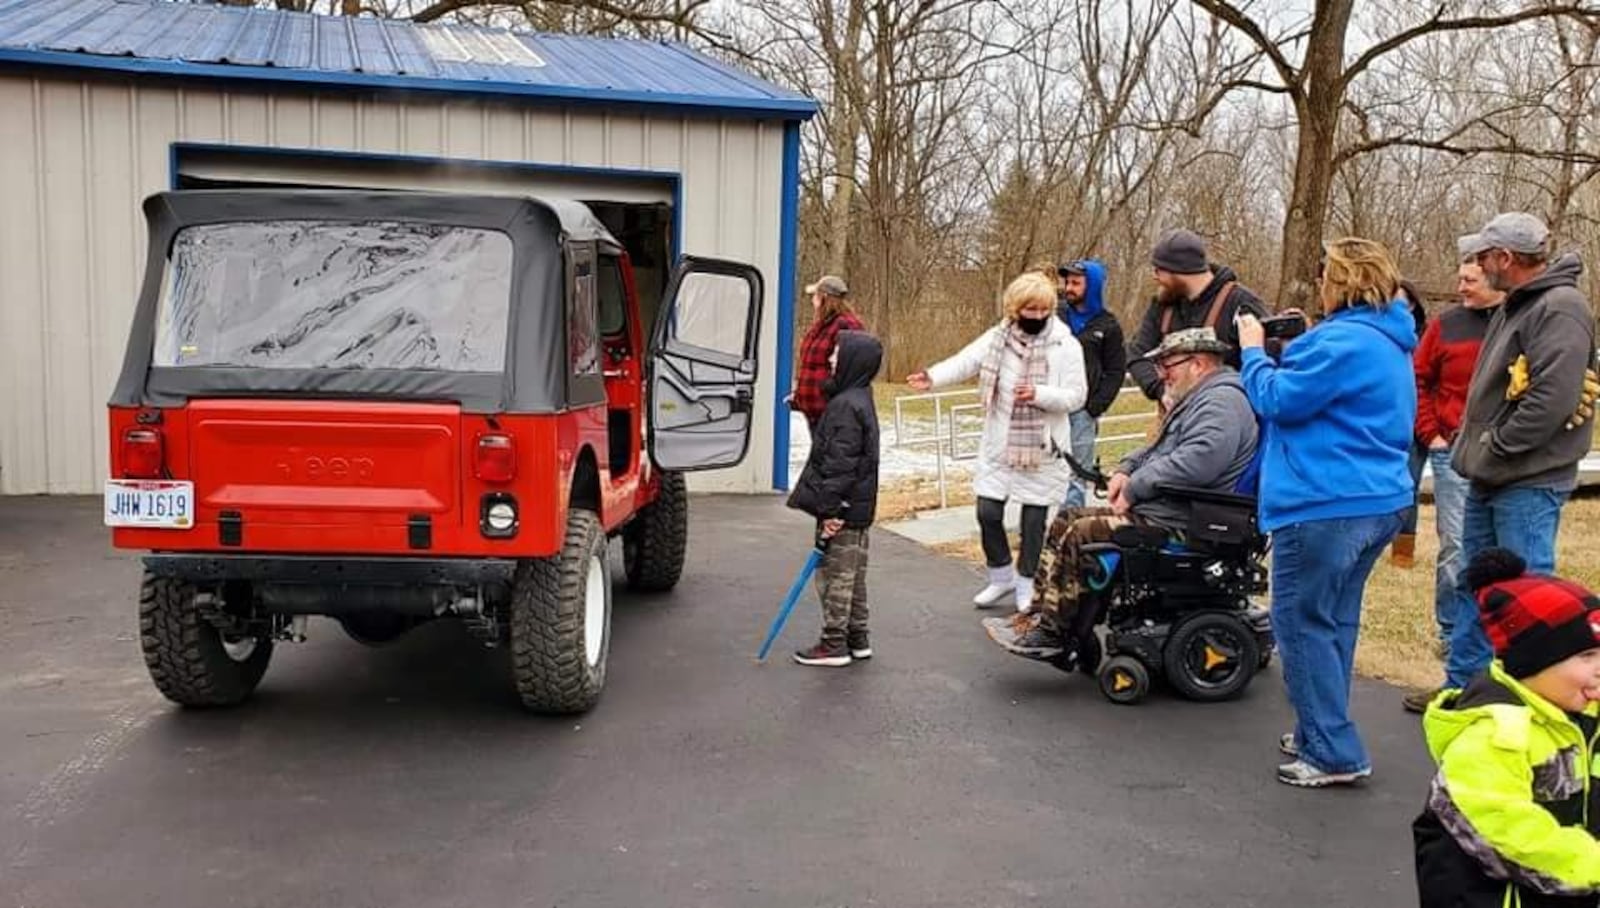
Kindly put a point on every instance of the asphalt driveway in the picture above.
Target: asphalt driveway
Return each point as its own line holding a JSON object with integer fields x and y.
{"x": 942, "y": 773}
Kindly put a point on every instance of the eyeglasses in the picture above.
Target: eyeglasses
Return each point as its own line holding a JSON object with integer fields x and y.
{"x": 1167, "y": 365}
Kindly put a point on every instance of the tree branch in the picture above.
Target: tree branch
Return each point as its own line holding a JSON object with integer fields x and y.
{"x": 1248, "y": 27}
{"x": 1437, "y": 24}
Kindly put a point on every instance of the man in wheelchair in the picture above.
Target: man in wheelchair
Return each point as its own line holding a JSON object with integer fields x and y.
{"x": 1206, "y": 443}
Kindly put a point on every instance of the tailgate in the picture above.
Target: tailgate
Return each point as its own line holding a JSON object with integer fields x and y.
{"x": 325, "y": 462}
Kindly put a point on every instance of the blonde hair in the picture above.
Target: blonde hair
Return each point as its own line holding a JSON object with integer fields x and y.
{"x": 1356, "y": 271}
{"x": 1029, "y": 288}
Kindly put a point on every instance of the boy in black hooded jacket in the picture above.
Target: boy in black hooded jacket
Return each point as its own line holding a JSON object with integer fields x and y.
{"x": 839, "y": 487}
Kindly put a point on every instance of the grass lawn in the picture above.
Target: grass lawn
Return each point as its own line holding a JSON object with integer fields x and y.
{"x": 1397, "y": 624}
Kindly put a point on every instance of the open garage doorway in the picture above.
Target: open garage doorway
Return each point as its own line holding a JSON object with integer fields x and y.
{"x": 640, "y": 208}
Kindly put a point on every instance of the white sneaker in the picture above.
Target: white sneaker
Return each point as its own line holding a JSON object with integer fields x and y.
{"x": 1024, "y": 594}
{"x": 1002, "y": 581}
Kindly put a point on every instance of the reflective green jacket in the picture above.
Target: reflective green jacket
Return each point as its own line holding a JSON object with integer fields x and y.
{"x": 1513, "y": 812}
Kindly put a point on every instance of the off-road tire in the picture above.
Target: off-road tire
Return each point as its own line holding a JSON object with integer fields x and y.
{"x": 549, "y": 662}
{"x": 654, "y": 543}
{"x": 184, "y": 653}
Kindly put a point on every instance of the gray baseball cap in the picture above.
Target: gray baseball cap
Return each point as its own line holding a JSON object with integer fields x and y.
{"x": 1513, "y": 231}
{"x": 830, "y": 285}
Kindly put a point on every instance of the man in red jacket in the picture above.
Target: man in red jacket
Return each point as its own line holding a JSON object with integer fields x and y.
{"x": 1444, "y": 361}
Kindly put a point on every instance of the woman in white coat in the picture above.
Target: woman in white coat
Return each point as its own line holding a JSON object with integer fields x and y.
{"x": 1030, "y": 378}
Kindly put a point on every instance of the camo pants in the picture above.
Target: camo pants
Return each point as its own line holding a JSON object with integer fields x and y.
{"x": 842, "y": 586}
{"x": 1058, "y": 582}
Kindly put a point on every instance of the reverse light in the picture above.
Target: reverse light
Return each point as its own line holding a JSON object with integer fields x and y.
{"x": 496, "y": 460}
{"x": 143, "y": 453}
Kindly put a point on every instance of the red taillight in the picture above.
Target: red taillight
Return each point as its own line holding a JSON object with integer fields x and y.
{"x": 497, "y": 458}
{"x": 143, "y": 454}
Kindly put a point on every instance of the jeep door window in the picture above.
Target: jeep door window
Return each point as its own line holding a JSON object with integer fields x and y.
{"x": 613, "y": 301}
{"x": 336, "y": 295}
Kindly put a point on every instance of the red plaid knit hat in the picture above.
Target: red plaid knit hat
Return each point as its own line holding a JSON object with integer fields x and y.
{"x": 1532, "y": 621}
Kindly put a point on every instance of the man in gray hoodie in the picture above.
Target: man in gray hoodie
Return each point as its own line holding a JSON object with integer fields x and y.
{"x": 1526, "y": 426}
{"x": 1207, "y": 441}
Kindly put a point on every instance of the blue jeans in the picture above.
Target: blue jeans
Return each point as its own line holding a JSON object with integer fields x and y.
{"x": 1084, "y": 430}
{"x": 1449, "y": 505}
{"x": 1522, "y": 520}
{"x": 1319, "y": 570}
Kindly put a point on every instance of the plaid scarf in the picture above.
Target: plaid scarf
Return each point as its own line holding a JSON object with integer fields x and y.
{"x": 1025, "y": 436}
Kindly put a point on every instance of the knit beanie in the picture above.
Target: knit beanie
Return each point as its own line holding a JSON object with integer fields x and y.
{"x": 1180, "y": 252}
{"x": 1533, "y": 621}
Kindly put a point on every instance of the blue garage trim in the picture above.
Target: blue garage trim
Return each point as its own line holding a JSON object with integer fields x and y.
{"x": 788, "y": 252}
{"x": 675, "y": 179}
{"x": 758, "y": 107}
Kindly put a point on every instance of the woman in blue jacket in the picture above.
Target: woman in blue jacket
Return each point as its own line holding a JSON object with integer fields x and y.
{"x": 1336, "y": 413}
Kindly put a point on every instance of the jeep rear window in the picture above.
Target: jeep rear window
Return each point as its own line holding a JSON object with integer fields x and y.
{"x": 336, "y": 295}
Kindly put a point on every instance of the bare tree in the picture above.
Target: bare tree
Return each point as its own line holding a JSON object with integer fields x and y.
{"x": 1308, "y": 63}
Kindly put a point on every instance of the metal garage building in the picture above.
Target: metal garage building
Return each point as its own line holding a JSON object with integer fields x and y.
{"x": 103, "y": 102}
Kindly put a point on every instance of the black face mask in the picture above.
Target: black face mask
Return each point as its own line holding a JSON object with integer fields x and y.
{"x": 1032, "y": 325}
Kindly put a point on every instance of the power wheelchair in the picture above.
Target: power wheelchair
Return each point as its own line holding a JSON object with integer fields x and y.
{"x": 1172, "y": 609}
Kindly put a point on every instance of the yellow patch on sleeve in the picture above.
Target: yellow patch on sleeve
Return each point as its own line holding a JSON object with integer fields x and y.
{"x": 1518, "y": 371}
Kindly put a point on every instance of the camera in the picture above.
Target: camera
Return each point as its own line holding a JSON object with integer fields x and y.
{"x": 1283, "y": 327}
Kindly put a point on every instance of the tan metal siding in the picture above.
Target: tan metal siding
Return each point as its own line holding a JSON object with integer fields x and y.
{"x": 81, "y": 155}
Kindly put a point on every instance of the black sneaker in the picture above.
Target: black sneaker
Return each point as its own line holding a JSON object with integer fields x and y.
{"x": 860, "y": 647}
{"x": 828, "y": 655}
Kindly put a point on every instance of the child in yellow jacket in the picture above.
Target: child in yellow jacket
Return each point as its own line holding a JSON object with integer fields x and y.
{"x": 1514, "y": 811}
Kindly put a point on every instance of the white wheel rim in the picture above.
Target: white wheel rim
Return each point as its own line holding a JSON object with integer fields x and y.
{"x": 239, "y": 650}
{"x": 594, "y": 611}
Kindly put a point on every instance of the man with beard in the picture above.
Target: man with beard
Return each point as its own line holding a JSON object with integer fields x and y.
{"x": 1191, "y": 293}
{"x": 1526, "y": 424}
{"x": 1207, "y": 440}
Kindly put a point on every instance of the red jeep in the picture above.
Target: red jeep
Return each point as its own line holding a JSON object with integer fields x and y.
{"x": 395, "y": 407}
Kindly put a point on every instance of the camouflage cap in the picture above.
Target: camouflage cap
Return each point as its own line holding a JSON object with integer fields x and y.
{"x": 1189, "y": 340}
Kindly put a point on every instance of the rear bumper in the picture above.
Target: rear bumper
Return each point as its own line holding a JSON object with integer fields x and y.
{"x": 365, "y": 572}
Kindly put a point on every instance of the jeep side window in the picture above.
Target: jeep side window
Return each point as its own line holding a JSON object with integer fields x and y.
{"x": 583, "y": 340}
{"x": 613, "y": 302}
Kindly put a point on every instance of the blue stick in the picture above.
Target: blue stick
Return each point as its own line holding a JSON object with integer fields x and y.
{"x": 788, "y": 604}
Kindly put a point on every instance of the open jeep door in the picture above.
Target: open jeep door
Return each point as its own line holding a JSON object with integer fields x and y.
{"x": 703, "y": 365}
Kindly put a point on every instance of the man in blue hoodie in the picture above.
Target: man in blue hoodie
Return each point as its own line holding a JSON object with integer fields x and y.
{"x": 1081, "y": 288}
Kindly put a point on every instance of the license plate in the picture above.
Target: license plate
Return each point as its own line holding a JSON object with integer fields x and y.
{"x": 160, "y": 504}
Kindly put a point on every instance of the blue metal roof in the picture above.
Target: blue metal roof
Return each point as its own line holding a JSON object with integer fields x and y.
{"x": 232, "y": 43}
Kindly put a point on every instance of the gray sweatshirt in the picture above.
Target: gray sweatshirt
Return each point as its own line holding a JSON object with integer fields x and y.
{"x": 1206, "y": 442}
{"x": 1525, "y": 442}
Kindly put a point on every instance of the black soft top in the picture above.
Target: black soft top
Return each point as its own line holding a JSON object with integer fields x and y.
{"x": 545, "y": 234}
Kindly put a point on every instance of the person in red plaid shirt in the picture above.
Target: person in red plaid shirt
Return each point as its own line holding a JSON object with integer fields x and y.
{"x": 830, "y": 301}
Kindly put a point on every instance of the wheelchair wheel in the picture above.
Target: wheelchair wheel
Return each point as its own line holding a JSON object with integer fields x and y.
{"x": 1211, "y": 656}
{"x": 1124, "y": 680}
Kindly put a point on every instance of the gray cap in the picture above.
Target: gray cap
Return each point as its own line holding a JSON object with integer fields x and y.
{"x": 1513, "y": 231}
{"x": 830, "y": 285}
{"x": 1189, "y": 340}
{"x": 1180, "y": 252}
{"x": 1469, "y": 245}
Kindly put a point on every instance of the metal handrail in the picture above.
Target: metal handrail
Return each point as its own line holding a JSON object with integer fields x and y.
{"x": 946, "y": 438}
